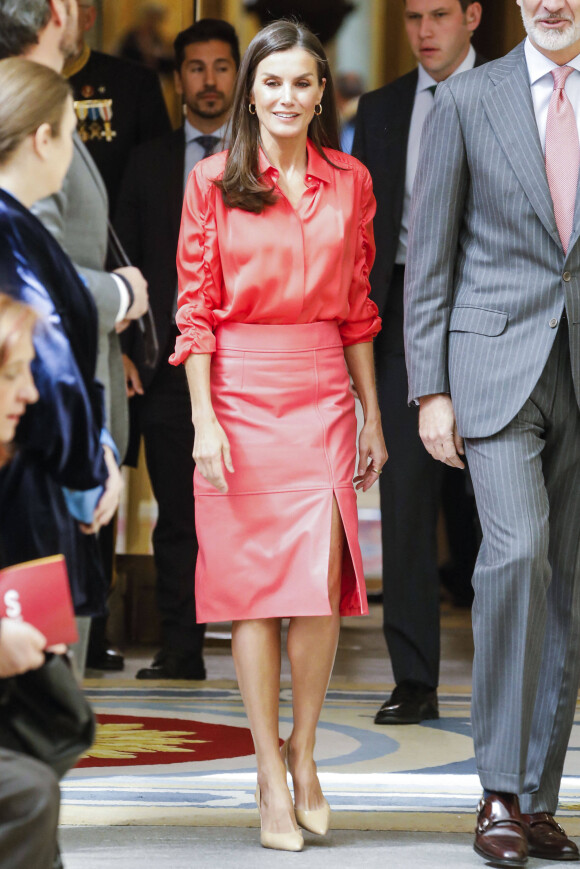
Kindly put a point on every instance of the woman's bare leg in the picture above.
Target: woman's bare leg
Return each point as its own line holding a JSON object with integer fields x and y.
{"x": 312, "y": 643}
{"x": 256, "y": 651}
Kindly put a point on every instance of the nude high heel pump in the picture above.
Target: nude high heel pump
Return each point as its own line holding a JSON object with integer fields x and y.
{"x": 293, "y": 841}
{"x": 316, "y": 821}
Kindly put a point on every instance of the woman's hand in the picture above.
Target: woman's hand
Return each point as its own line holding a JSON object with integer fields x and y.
{"x": 109, "y": 501}
{"x": 211, "y": 451}
{"x": 372, "y": 454}
{"x": 21, "y": 648}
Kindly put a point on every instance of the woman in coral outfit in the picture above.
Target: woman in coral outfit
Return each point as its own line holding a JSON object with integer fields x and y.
{"x": 274, "y": 255}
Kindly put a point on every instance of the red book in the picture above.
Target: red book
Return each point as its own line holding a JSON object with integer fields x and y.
{"x": 38, "y": 592}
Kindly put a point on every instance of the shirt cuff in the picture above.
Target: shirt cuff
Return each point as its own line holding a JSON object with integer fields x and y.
{"x": 125, "y": 301}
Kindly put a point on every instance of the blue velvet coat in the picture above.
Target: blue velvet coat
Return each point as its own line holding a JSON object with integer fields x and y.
{"x": 59, "y": 437}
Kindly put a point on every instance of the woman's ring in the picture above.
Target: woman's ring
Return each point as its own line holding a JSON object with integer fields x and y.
{"x": 377, "y": 471}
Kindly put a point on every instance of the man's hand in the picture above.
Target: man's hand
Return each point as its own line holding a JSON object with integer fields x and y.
{"x": 107, "y": 506}
{"x": 132, "y": 380}
{"x": 438, "y": 430}
{"x": 139, "y": 287}
{"x": 21, "y": 648}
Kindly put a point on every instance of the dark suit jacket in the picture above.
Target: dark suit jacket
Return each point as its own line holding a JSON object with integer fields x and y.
{"x": 139, "y": 112}
{"x": 147, "y": 220}
{"x": 380, "y": 142}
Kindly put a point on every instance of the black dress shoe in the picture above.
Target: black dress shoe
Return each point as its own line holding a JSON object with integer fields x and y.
{"x": 409, "y": 703}
{"x": 167, "y": 666}
{"x": 106, "y": 659}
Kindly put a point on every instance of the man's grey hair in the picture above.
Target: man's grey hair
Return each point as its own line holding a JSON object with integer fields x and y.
{"x": 20, "y": 23}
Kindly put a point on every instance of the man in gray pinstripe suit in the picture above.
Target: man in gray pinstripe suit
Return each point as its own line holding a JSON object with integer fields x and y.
{"x": 492, "y": 339}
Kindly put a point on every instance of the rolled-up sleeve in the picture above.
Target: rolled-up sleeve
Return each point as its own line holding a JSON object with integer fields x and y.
{"x": 198, "y": 268}
{"x": 363, "y": 322}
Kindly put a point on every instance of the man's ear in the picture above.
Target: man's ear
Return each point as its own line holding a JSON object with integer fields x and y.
{"x": 177, "y": 82}
{"x": 473, "y": 16}
{"x": 58, "y": 12}
{"x": 90, "y": 18}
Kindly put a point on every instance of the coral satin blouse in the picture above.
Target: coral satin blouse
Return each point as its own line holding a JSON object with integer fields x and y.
{"x": 286, "y": 265}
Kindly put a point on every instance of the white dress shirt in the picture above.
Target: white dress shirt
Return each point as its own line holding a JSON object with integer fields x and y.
{"x": 542, "y": 85}
{"x": 421, "y": 107}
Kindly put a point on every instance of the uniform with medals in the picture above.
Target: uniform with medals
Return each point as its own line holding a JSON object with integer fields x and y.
{"x": 119, "y": 104}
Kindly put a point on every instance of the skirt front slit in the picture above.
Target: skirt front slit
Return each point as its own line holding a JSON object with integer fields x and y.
{"x": 282, "y": 395}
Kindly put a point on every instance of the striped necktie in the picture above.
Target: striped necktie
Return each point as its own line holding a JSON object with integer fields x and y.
{"x": 208, "y": 144}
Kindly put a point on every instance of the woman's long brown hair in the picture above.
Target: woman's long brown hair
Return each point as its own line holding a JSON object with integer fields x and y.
{"x": 241, "y": 184}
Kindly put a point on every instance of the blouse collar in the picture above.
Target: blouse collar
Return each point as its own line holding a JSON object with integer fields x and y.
{"x": 316, "y": 167}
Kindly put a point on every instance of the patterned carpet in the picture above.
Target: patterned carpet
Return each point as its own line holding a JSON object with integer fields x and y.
{"x": 178, "y": 755}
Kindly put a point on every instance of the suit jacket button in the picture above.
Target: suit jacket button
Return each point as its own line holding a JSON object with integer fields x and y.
{"x": 553, "y": 322}
{"x": 567, "y": 276}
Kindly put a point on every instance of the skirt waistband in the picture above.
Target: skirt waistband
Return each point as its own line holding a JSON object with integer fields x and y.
{"x": 260, "y": 338}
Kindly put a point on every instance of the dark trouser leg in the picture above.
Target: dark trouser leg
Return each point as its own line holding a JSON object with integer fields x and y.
{"x": 526, "y": 614}
{"x": 557, "y": 692}
{"x": 29, "y": 806}
{"x": 168, "y": 435}
{"x": 410, "y": 494}
{"x": 97, "y": 639}
{"x": 464, "y": 537}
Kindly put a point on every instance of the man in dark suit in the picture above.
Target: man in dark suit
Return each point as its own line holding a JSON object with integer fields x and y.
{"x": 119, "y": 104}
{"x": 148, "y": 220}
{"x": 387, "y": 137}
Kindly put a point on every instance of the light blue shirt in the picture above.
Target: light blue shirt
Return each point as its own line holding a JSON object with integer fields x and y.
{"x": 193, "y": 150}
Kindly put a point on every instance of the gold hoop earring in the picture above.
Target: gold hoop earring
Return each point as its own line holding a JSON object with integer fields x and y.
{"x": 318, "y": 109}
{"x": 252, "y": 108}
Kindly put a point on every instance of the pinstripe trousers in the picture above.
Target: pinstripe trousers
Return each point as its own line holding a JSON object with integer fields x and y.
{"x": 526, "y": 614}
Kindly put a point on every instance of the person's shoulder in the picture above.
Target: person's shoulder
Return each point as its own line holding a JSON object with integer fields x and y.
{"x": 341, "y": 161}
{"x": 404, "y": 85}
{"x": 484, "y": 76}
{"x": 210, "y": 169}
{"x": 153, "y": 149}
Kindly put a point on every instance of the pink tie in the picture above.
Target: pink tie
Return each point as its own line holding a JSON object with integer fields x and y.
{"x": 562, "y": 155}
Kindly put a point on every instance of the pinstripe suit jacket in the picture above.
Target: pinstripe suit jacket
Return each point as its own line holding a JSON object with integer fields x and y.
{"x": 487, "y": 279}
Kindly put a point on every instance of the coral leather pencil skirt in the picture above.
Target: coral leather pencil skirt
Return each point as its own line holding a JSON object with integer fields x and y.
{"x": 282, "y": 395}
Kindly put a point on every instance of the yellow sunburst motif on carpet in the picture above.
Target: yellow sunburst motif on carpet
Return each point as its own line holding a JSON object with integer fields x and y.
{"x": 118, "y": 741}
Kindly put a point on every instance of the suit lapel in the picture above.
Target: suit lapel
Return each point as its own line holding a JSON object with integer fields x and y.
{"x": 398, "y": 123}
{"x": 510, "y": 111}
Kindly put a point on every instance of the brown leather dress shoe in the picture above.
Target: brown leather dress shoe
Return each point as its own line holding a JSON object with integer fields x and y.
{"x": 547, "y": 839}
{"x": 500, "y": 836}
